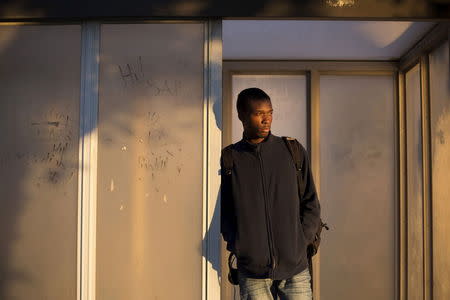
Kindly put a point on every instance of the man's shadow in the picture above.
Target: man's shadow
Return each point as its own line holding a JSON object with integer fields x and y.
{"x": 210, "y": 246}
{"x": 212, "y": 240}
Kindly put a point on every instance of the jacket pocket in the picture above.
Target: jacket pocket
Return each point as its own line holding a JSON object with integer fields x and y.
{"x": 251, "y": 255}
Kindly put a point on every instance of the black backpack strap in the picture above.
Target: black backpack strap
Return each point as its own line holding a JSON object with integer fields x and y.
{"x": 227, "y": 168}
{"x": 226, "y": 182}
{"x": 297, "y": 155}
{"x": 294, "y": 148}
{"x": 227, "y": 160}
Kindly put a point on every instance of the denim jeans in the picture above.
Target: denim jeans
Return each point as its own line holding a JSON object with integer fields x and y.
{"x": 298, "y": 287}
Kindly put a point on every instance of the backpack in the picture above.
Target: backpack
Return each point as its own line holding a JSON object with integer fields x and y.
{"x": 294, "y": 149}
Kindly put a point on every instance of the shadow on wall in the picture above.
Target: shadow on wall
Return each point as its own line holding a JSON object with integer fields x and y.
{"x": 38, "y": 162}
{"x": 38, "y": 171}
{"x": 149, "y": 206}
{"x": 212, "y": 238}
{"x": 214, "y": 249}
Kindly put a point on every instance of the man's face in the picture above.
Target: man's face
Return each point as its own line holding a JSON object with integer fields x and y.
{"x": 258, "y": 119}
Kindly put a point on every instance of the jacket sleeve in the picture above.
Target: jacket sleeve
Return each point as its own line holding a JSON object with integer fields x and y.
{"x": 227, "y": 215}
{"x": 309, "y": 201}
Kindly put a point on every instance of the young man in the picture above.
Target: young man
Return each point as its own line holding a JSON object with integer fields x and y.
{"x": 264, "y": 220}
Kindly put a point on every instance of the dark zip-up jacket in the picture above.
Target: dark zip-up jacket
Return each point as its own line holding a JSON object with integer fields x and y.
{"x": 264, "y": 220}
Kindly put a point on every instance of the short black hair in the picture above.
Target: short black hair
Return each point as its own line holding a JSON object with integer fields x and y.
{"x": 247, "y": 95}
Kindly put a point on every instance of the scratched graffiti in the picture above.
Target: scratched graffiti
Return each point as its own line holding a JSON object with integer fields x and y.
{"x": 162, "y": 154}
{"x": 134, "y": 75}
{"x": 158, "y": 166}
{"x": 156, "y": 132}
{"x": 53, "y": 125}
{"x": 155, "y": 163}
{"x": 53, "y": 157}
{"x": 46, "y": 142}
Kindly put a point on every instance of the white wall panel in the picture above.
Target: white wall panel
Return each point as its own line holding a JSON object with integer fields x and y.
{"x": 440, "y": 148}
{"x": 296, "y": 39}
{"x": 414, "y": 184}
{"x": 150, "y": 184}
{"x": 39, "y": 119}
{"x": 357, "y": 180}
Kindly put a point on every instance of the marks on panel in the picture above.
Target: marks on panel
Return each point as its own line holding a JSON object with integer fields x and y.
{"x": 150, "y": 146}
{"x": 133, "y": 74}
{"x": 162, "y": 149}
{"x": 43, "y": 147}
{"x": 440, "y": 136}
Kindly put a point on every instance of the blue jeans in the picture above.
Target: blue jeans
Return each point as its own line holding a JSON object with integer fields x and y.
{"x": 298, "y": 287}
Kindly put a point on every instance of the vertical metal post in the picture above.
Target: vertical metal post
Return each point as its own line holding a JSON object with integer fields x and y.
{"x": 212, "y": 146}
{"x": 402, "y": 234}
{"x": 87, "y": 178}
{"x": 426, "y": 161}
{"x": 315, "y": 161}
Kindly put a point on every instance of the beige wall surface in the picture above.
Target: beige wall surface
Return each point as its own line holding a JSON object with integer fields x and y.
{"x": 357, "y": 180}
{"x": 150, "y": 157}
{"x": 39, "y": 118}
{"x": 440, "y": 151}
{"x": 414, "y": 185}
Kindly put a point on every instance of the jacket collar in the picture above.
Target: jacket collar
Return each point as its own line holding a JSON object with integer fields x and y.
{"x": 256, "y": 147}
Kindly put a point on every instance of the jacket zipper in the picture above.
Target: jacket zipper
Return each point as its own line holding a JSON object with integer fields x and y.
{"x": 269, "y": 226}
